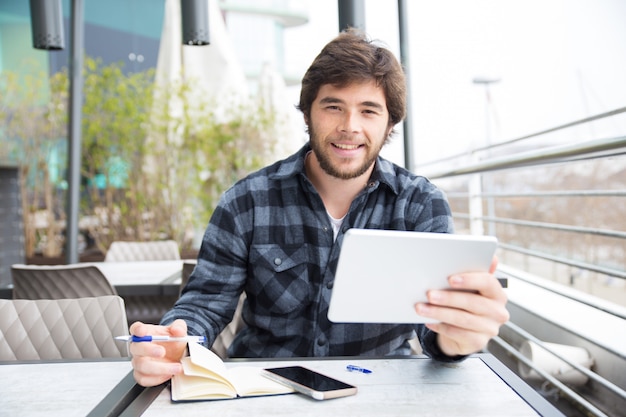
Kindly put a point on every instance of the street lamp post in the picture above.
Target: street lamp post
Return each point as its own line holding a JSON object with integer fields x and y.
{"x": 351, "y": 14}
{"x": 75, "y": 133}
{"x": 47, "y": 28}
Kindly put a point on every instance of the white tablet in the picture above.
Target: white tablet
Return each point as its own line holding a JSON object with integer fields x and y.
{"x": 381, "y": 274}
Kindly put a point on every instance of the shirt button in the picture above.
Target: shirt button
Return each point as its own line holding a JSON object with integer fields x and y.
{"x": 371, "y": 184}
{"x": 321, "y": 341}
{"x": 277, "y": 261}
{"x": 330, "y": 285}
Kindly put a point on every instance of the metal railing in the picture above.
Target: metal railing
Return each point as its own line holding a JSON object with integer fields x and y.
{"x": 592, "y": 149}
{"x": 579, "y": 399}
{"x": 469, "y": 181}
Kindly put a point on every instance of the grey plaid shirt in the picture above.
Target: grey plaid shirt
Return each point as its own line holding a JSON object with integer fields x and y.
{"x": 271, "y": 237}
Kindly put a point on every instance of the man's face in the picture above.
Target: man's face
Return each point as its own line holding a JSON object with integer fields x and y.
{"x": 348, "y": 128}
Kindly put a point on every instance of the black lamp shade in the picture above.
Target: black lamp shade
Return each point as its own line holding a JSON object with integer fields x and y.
{"x": 47, "y": 24}
{"x": 195, "y": 20}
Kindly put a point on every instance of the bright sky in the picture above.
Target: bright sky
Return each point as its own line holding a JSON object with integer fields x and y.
{"x": 558, "y": 61}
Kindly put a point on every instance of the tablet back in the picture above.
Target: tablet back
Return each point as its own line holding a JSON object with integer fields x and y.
{"x": 381, "y": 274}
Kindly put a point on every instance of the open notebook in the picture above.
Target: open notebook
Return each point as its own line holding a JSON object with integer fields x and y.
{"x": 206, "y": 377}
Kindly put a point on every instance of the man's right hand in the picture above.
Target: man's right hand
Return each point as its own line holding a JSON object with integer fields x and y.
{"x": 154, "y": 362}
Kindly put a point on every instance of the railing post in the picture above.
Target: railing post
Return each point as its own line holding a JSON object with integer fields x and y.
{"x": 475, "y": 204}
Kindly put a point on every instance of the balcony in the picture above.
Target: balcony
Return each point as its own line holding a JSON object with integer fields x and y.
{"x": 557, "y": 206}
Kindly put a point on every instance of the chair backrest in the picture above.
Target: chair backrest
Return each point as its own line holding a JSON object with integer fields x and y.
{"x": 226, "y": 337}
{"x": 62, "y": 329}
{"x": 59, "y": 281}
{"x": 162, "y": 250}
{"x": 188, "y": 268}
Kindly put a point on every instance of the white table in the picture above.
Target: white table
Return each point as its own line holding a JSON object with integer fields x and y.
{"x": 479, "y": 386}
{"x": 149, "y": 288}
{"x": 63, "y": 389}
{"x": 396, "y": 387}
{"x": 141, "y": 272}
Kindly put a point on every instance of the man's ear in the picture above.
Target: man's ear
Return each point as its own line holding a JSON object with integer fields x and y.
{"x": 306, "y": 122}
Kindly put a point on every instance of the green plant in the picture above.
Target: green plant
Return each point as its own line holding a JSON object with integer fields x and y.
{"x": 154, "y": 159}
{"x": 199, "y": 147}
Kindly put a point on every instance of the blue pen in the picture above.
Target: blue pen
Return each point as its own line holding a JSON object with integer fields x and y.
{"x": 158, "y": 338}
{"x": 354, "y": 368}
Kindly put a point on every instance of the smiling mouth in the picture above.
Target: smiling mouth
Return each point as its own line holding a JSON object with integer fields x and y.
{"x": 346, "y": 147}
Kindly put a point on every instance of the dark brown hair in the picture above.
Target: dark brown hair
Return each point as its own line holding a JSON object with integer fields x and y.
{"x": 352, "y": 57}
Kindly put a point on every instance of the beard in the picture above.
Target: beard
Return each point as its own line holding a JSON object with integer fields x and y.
{"x": 333, "y": 168}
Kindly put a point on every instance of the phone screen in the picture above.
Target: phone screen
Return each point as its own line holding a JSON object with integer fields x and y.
{"x": 309, "y": 378}
{"x": 311, "y": 383}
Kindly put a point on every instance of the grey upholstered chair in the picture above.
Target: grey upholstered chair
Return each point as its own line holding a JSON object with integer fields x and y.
{"x": 188, "y": 268}
{"x": 225, "y": 338}
{"x": 62, "y": 329}
{"x": 59, "y": 281}
{"x": 162, "y": 250}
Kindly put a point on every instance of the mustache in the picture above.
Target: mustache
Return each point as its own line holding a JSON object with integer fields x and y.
{"x": 346, "y": 137}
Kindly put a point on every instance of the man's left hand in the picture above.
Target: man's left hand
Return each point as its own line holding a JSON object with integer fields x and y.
{"x": 469, "y": 318}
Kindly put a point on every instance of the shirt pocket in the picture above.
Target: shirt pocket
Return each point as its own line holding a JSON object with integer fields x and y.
{"x": 279, "y": 278}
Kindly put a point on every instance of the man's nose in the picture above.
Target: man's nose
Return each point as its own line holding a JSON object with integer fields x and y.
{"x": 350, "y": 122}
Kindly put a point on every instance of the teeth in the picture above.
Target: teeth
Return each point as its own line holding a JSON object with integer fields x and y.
{"x": 344, "y": 146}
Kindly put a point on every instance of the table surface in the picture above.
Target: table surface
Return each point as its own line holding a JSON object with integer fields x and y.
{"x": 141, "y": 272}
{"x": 480, "y": 385}
{"x": 58, "y": 388}
{"x": 395, "y": 387}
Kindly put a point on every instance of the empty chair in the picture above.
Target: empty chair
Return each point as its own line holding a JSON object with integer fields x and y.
{"x": 78, "y": 328}
{"x": 162, "y": 250}
{"x": 188, "y": 268}
{"x": 226, "y": 337}
{"x": 59, "y": 281}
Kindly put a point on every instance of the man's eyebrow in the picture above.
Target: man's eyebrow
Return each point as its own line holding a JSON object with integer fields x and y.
{"x": 373, "y": 104}
{"x": 330, "y": 100}
{"x": 333, "y": 100}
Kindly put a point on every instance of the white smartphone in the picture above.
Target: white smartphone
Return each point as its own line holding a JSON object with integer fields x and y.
{"x": 309, "y": 382}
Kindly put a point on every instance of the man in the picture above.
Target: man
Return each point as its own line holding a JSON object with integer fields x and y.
{"x": 277, "y": 234}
